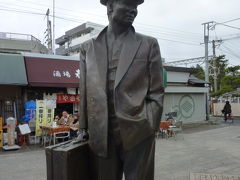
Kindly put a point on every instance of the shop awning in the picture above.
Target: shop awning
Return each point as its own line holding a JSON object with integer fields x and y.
{"x": 12, "y": 70}
{"x": 51, "y": 71}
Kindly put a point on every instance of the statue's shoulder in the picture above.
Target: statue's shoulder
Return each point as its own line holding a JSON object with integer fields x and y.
{"x": 86, "y": 45}
{"x": 146, "y": 38}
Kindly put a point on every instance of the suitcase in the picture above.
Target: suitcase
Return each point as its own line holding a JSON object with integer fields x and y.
{"x": 68, "y": 161}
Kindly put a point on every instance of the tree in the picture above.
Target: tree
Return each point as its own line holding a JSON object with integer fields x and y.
{"x": 228, "y": 78}
{"x": 233, "y": 70}
{"x": 221, "y": 65}
{"x": 231, "y": 81}
{"x": 199, "y": 72}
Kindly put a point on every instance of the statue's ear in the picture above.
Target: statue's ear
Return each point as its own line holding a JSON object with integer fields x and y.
{"x": 109, "y": 7}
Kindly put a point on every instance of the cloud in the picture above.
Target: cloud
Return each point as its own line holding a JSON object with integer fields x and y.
{"x": 174, "y": 20}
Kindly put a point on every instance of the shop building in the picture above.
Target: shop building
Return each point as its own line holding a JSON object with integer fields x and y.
{"x": 13, "y": 80}
{"x": 52, "y": 77}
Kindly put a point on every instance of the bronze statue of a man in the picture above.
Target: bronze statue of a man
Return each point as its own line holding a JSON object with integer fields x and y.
{"x": 121, "y": 96}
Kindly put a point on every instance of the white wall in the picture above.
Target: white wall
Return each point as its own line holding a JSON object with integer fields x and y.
{"x": 217, "y": 109}
{"x": 177, "y": 77}
{"x": 190, "y": 107}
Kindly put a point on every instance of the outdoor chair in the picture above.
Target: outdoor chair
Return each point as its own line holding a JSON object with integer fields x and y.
{"x": 163, "y": 129}
{"x": 61, "y": 135}
{"x": 176, "y": 128}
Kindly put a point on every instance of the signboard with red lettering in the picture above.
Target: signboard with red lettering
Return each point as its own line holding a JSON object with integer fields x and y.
{"x": 67, "y": 98}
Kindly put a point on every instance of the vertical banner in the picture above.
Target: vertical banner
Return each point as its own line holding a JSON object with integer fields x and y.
{"x": 44, "y": 114}
{"x": 40, "y": 116}
{"x": 50, "y": 107}
{"x": 1, "y": 123}
{"x": 49, "y": 116}
{"x": 1, "y": 132}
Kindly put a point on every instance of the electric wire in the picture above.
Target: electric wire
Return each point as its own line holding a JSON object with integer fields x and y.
{"x": 217, "y": 23}
{"x": 231, "y": 20}
{"x": 230, "y": 51}
{"x": 78, "y": 21}
{"x": 150, "y": 28}
{"x": 137, "y": 23}
{"x": 180, "y": 36}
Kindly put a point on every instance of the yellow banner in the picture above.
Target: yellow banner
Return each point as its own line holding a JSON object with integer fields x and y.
{"x": 44, "y": 116}
{"x": 1, "y": 123}
{"x": 1, "y": 138}
{"x": 49, "y": 116}
{"x": 1, "y": 132}
{"x": 40, "y": 116}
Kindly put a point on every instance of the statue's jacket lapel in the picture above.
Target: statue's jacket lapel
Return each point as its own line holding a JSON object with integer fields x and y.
{"x": 130, "y": 47}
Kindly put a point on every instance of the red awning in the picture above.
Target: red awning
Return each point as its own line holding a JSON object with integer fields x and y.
{"x": 47, "y": 72}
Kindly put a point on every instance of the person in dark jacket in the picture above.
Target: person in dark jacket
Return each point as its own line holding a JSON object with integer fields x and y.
{"x": 227, "y": 110}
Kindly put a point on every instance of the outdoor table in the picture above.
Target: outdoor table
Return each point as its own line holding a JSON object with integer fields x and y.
{"x": 164, "y": 126}
{"x": 52, "y": 131}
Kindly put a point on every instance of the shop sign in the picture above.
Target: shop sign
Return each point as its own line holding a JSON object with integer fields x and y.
{"x": 47, "y": 72}
{"x": 67, "y": 74}
{"x": 67, "y": 98}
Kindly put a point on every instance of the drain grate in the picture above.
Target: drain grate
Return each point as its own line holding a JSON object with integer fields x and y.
{"x": 202, "y": 176}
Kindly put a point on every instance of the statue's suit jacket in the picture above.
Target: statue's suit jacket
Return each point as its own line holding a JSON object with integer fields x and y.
{"x": 138, "y": 91}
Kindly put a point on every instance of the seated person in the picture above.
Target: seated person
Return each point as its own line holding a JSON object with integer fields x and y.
{"x": 56, "y": 119}
{"x": 74, "y": 126}
{"x": 66, "y": 119}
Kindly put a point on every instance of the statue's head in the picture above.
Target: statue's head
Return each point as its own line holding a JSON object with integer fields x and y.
{"x": 122, "y": 12}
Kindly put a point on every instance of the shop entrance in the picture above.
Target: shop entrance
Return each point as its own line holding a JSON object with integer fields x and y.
{"x": 64, "y": 107}
{"x": 7, "y": 109}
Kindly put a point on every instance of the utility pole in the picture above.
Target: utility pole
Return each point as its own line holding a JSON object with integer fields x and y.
{"x": 215, "y": 68}
{"x": 49, "y": 33}
{"x": 206, "y": 41}
{"x": 215, "y": 74}
{"x": 53, "y": 39}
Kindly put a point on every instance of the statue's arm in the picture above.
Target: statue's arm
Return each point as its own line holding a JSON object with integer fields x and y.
{"x": 156, "y": 89}
{"x": 83, "y": 106}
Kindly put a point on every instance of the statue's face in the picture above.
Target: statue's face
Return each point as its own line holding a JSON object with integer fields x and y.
{"x": 124, "y": 12}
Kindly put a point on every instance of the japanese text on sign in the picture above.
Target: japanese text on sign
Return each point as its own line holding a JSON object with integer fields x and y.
{"x": 66, "y": 74}
{"x": 67, "y": 98}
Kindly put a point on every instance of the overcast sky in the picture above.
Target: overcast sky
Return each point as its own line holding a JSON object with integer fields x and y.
{"x": 176, "y": 23}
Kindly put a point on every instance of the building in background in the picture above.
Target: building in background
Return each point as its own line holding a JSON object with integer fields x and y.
{"x": 16, "y": 43}
{"x": 185, "y": 95}
{"x": 70, "y": 42}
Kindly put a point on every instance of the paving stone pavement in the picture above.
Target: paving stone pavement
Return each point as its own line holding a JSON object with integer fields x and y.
{"x": 207, "y": 150}
{"x": 212, "y": 151}
{"x": 202, "y": 176}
